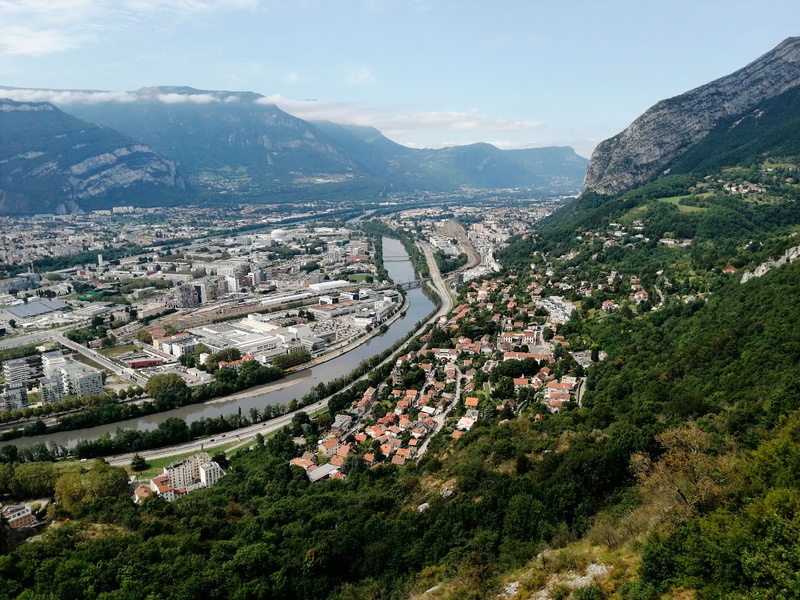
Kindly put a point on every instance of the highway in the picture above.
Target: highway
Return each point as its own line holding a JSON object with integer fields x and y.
{"x": 436, "y": 279}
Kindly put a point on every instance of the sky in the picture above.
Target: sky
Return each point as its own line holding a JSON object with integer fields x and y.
{"x": 427, "y": 73}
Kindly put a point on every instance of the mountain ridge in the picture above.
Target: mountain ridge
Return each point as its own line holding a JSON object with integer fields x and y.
{"x": 242, "y": 144}
{"x": 675, "y": 125}
{"x": 53, "y": 162}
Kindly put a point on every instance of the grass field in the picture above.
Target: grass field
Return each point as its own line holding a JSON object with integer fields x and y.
{"x": 675, "y": 200}
{"x": 359, "y": 277}
{"x": 118, "y": 350}
{"x": 87, "y": 361}
{"x": 157, "y": 464}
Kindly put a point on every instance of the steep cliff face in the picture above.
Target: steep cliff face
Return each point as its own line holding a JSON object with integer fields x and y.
{"x": 53, "y": 162}
{"x": 673, "y": 126}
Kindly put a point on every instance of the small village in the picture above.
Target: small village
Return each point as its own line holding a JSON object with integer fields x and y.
{"x": 450, "y": 388}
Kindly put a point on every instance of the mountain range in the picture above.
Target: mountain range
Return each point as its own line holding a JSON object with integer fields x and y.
{"x": 213, "y": 145}
{"x": 741, "y": 127}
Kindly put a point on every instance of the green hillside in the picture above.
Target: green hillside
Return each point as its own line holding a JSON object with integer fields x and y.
{"x": 770, "y": 131}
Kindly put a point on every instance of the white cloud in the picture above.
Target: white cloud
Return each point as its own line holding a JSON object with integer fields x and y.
{"x": 29, "y": 42}
{"x": 360, "y": 76}
{"x": 187, "y": 98}
{"x": 292, "y": 79}
{"x": 397, "y": 123}
{"x": 41, "y": 27}
{"x": 186, "y": 8}
{"x": 90, "y": 97}
{"x": 65, "y": 96}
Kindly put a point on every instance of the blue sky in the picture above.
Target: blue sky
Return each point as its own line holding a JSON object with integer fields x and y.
{"x": 428, "y": 73}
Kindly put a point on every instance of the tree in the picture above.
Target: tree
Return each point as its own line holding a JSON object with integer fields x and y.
{"x": 689, "y": 476}
{"x": 221, "y": 459}
{"x": 166, "y": 386}
{"x": 504, "y": 388}
{"x": 101, "y": 480}
{"x": 12, "y": 323}
{"x": 33, "y": 480}
{"x": 595, "y": 353}
{"x": 224, "y": 355}
{"x": 145, "y": 337}
{"x": 138, "y": 463}
{"x": 9, "y": 454}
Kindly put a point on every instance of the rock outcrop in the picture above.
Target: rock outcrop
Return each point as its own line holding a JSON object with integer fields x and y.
{"x": 51, "y": 162}
{"x": 673, "y": 126}
{"x": 791, "y": 255}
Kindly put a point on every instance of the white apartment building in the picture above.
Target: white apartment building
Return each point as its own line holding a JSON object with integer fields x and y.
{"x": 15, "y": 396}
{"x": 50, "y": 388}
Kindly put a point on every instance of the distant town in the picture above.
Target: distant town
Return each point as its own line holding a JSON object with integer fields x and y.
{"x": 186, "y": 293}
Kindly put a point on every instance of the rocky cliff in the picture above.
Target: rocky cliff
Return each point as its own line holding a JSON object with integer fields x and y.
{"x": 673, "y": 126}
{"x": 53, "y": 162}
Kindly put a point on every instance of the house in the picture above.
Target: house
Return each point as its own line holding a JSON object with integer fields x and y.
{"x": 326, "y": 471}
{"x": 303, "y": 463}
{"x": 18, "y": 516}
{"x": 142, "y": 493}
{"x": 341, "y": 423}
{"x": 465, "y": 423}
{"x": 556, "y": 390}
{"x": 609, "y": 305}
{"x": 329, "y": 447}
{"x": 161, "y": 486}
{"x": 471, "y": 402}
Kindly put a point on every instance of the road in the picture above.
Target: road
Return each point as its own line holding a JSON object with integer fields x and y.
{"x": 442, "y": 416}
{"x": 104, "y": 362}
{"x": 26, "y": 339}
{"x": 436, "y": 279}
{"x": 246, "y": 434}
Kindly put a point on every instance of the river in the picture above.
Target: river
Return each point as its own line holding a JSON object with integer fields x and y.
{"x": 293, "y": 386}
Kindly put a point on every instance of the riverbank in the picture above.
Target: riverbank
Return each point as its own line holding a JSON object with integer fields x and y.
{"x": 245, "y": 435}
{"x": 417, "y": 308}
{"x": 328, "y": 356}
